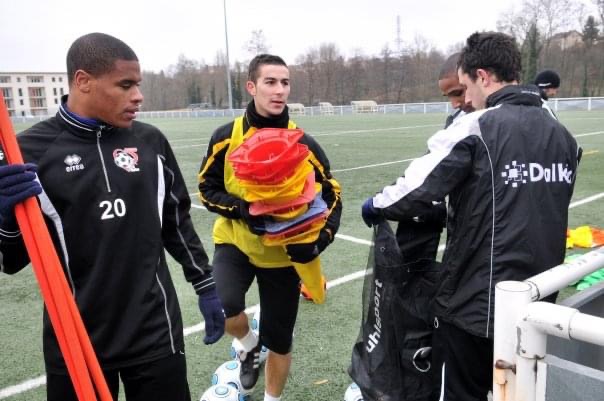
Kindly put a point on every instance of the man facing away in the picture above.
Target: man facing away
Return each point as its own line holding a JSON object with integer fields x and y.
{"x": 509, "y": 171}
{"x": 240, "y": 256}
{"x": 113, "y": 198}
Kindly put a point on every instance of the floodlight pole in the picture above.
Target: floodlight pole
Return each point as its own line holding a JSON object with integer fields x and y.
{"x": 228, "y": 69}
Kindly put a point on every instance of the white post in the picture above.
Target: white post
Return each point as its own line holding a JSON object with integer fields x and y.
{"x": 511, "y": 297}
{"x": 539, "y": 320}
{"x": 560, "y": 276}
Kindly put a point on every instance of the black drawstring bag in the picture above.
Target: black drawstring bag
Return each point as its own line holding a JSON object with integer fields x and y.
{"x": 391, "y": 357}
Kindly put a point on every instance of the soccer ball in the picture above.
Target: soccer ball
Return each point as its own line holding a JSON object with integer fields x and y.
{"x": 220, "y": 392}
{"x": 353, "y": 393}
{"x": 228, "y": 374}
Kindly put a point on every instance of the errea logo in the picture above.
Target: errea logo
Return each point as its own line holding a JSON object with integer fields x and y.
{"x": 73, "y": 163}
{"x": 518, "y": 173}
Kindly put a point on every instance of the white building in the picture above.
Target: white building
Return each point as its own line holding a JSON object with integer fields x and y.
{"x": 33, "y": 93}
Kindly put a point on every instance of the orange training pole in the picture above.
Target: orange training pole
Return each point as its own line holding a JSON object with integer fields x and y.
{"x": 71, "y": 334}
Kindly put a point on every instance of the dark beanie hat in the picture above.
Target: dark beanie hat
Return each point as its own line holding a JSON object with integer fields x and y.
{"x": 547, "y": 79}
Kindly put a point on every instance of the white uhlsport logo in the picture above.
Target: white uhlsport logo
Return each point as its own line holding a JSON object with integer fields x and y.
{"x": 73, "y": 163}
{"x": 517, "y": 173}
{"x": 126, "y": 158}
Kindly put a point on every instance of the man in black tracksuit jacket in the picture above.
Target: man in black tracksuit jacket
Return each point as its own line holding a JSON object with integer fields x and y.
{"x": 509, "y": 170}
{"x": 113, "y": 198}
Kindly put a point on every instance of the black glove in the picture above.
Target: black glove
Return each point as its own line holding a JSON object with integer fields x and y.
{"x": 304, "y": 253}
{"x": 254, "y": 223}
{"x": 17, "y": 183}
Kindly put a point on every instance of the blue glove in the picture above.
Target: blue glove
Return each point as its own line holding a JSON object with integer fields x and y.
{"x": 211, "y": 309}
{"x": 16, "y": 184}
{"x": 371, "y": 217}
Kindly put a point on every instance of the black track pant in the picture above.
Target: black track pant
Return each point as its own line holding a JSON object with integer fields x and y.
{"x": 159, "y": 380}
{"x": 468, "y": 363}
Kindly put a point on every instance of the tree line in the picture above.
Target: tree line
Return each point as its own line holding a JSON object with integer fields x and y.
{"x": 563, "y": 35}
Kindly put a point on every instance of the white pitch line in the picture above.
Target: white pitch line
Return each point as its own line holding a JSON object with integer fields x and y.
{"x": 22, "y": 387}
{"x": 364, "y": 131}
{"x": 190, "y": 146}
{"x": 589, "y": 134}
{"x": 586, "y": 200}
{"x": 372, "y": 165}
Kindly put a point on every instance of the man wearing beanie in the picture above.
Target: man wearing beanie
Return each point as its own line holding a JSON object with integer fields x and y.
{"x": 548, "y": 82}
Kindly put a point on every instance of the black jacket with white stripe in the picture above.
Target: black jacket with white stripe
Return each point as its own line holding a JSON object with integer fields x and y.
{"x": 113, "y": 199}
{"x": 509, "y": 171}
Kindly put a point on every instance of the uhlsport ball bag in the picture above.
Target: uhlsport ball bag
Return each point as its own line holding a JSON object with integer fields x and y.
{"x": 391, "y": 359}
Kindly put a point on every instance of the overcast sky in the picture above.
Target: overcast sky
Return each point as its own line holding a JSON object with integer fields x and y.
{"x": 35, "y": 34}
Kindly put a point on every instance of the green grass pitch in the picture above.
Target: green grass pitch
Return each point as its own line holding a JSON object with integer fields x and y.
{"x": 366, "y": 153}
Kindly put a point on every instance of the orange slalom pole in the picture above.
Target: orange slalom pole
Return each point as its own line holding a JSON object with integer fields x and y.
{"x": 66, "y": 342}
{"x": 67, "y": 321}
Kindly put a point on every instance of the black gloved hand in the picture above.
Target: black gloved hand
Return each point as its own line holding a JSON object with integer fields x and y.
{"x": 254, "y": 223}
{"x": 17, "y": 183}
{"x": 304, "y": 253}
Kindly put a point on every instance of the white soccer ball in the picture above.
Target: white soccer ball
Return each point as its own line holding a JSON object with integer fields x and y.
{"x": 228, "y": 375}
{"x": 220, "y": 392}
{"x": 353, "y": 393}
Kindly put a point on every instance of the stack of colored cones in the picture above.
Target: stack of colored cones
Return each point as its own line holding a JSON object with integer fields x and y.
{"x": 278, "y": 179}
{"x": 279, "y": 182}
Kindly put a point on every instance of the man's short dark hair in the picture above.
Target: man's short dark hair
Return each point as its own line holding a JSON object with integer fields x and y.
{"x": 260, "y": 60}
{"x": 449, "y": 68}
{"x": 495, "y": 52}
{"x": 96, "y": 53}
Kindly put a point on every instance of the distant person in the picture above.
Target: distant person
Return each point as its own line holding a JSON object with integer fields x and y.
{"x": 448, "y": 83}
{"x": 508, "y": 214}
{"x": 114, "y": 199}
{"x": 548, "y": 82}
{"x": 240, "y": 255}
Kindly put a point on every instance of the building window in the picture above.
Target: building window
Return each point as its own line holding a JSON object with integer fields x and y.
{"x": 20, "y": 92}
{"x": 36, "y": 102}
{"x": 35, "y": 78}
{"x": 21, "y": 102}
{"x": 53, "y": 79}
{"x": 56, "y": 101}
{"x": 7, "y": 93}
{"x": 60, "y": 79}
{"x": 9, "y": 103}
{"x": 36, "y": 92}
{"x": 22, "y": 114}
{"x": 54, "y": 91}
{"x": 61, "y": 90}
{"x": 18, "y": 79}
{"x": 4, "y": 80}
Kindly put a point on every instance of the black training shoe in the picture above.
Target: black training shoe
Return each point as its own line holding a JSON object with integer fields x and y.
{"x": 250, "y": 367}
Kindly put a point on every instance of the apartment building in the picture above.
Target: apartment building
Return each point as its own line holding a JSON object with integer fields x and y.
{"x": 33, "y": 93}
